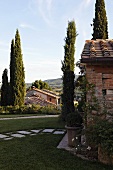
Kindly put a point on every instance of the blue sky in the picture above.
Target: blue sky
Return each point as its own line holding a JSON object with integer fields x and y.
{"x": 42, "y": 25}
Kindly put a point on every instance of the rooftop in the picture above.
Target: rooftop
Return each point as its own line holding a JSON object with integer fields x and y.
{"x": 37, "y": 100}
{"x": 46, "y": 92}
{"x": 97, "y": 51}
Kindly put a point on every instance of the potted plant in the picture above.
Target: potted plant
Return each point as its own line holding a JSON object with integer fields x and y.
{"x": 74, "y": 128}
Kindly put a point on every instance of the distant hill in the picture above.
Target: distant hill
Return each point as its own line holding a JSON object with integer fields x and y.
{"x": 28, "y": 85}
{"x": 56, "y": 83}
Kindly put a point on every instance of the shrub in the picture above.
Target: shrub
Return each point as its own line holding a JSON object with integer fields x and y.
{"x": 74, "y": 119}
{"x": 101, "y": 133}
{"x": 49, "y": 110}
{"x": 26, "y": 109}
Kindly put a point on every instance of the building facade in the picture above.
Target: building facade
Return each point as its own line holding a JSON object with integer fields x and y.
{"x": 97, "y": 60}
{"x": 47, "y": 96}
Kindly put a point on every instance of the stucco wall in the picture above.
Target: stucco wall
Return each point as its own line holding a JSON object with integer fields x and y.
{"x": 44, "y": 96}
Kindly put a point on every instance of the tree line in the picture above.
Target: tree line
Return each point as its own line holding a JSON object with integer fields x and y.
{"x": 13, "y": 92}
{"x": 100, "y": 31}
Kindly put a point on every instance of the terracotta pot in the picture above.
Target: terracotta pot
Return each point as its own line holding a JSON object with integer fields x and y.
{"x": 73, "y": 134}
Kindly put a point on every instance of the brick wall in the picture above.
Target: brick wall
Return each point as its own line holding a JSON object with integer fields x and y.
{"x": 102, "y": 77}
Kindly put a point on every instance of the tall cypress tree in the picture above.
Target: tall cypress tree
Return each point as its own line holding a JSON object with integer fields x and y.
{"x": 4, "y": 88}
{"x": 100, "y": 24}
{"x": 68, "y": 71}
{"x": 17, "y": 75}
{"x": 12, "y": 72}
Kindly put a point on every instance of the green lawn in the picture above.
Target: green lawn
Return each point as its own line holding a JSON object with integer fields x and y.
{"x": 32, "y": 123}
{"x": 39, "y": 152}
{"x": 19, "y": 115}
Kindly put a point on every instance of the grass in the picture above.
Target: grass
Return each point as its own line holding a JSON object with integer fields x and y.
{"x": 32, "y": 123}
{"x": 39, "y": 152}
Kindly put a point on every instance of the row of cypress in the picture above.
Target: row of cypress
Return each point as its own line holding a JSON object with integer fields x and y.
{"x": 100, "y": 31}
{"x": 13, "y": 92}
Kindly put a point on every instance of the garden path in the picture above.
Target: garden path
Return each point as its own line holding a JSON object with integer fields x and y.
{"x": 29, "y": 117}
{"x": 32, "y": 132}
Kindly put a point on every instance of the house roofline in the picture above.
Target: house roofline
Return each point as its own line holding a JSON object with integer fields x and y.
{"x": 46, "y": 93}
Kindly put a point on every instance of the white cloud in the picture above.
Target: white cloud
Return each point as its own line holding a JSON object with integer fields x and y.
{"x": 23, "y": 25}
{"x": 47, "y": 3}
{"x": 43, "y": 7}
{"x": 88, "y": 1}
{"x": 83, "y": 5}
{"x": 32, "y": 6}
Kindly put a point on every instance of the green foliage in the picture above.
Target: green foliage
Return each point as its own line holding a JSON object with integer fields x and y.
{"x": 89, "y": 101}
{"x": 24, "y": 109}
{"x": 29, "y": 109}
{"x": 5, "y": 89}
{"x": 41, "y": 85}
{"x": 49, "y": 110}
{"x": 68, "y": 71}
{"x": 74, "y": 119}
{"x": 101, "y": 133}
{"x": 80, "y": 105}
{"x": 17, "y": 75}
{"x": 81, "y": 86}
{"x": 100, "y": 24}
{"x": 12, "y": 72}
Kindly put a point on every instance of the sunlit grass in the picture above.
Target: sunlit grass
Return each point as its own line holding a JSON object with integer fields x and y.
{"x": 32, "y": 123}
{"x": 39, "y": 152}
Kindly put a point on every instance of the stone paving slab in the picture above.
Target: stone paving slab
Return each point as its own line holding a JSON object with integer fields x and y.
{"x": 36, "y": 131}
{"x": 58, "y": 132}
{"x": 48, "y": 130}
{"x": 8, "y": 138}
{"x": 3, "y": 136}
{"x": 33, "y": 134}
{"x": 24, "y": 132}
{"x": 9, "y": 133}
{"x": 18, "y": 135}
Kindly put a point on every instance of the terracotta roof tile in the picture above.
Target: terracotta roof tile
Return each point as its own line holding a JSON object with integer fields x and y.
{"x": 97, "y": 50}
{"x": 47, "y": 92}
{"x": 37, "y": 100}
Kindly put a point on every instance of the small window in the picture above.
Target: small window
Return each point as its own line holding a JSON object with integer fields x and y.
{"x": 50, "y": 99}
{"x": 110, "y": 91}
{"x": 104, "y": 92}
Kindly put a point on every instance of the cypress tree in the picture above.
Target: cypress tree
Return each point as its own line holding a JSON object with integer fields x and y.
{"x": 17, "y": 72}
{"x": 12, "y": 72}
{"x": 68, "y": 71}
{"x": 4, "y": 88}
{"x": 100, "y": 24}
